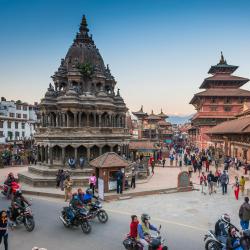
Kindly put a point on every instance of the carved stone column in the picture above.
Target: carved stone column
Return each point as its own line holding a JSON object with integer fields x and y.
{"x": 50, "y": 156}
{"x": 87, "y": 119}
{"x": 63, "y": 156}
{"x": 75, "y": 119}
{"x": 63, "y": 120}
{"x": 57, "y": 120}
{"x": 68, "y": 123}
{"x": 100, "y": 120}
{"x": 42, "y": 153}
{"x": 94, "y": 119}
{"x": 46, "y": 154}
{"x": 76, "y": 156}
{"x": 80, "y": 119}
{"x": 88, "y": 153}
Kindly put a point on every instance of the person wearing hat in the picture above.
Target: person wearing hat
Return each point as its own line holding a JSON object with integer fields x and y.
{"x": 144, "y": 229}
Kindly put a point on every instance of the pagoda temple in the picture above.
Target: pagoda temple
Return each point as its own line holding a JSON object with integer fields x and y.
{"x": 221, "y": 100}
{"x": 81, "y": 115}
{"x": 153, "y": 127}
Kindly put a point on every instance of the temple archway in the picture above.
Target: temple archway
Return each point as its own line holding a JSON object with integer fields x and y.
{"x": 84, "y": 119}
{"x": 116, "y": 149}
{"x": 69, "y": 152}
{"x": 94, "y": 152}
{"x": 56, "y": 153}
{"x": 70, "y": 119}
{"x": 91, "y": 120}
{"x": 104, "y": 119}
{"x": 82, "y": 151}
{"x": 106, "y": 149}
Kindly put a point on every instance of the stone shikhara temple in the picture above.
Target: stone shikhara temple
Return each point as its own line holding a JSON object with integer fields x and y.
{"x": 81, "y": 115}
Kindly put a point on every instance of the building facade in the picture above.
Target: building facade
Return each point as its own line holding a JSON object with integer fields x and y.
{"x": 221, "y": 100}
{"x": 81, "y": 115}
{"x": 18, "y": 121}
{"x": 233, "y": 137}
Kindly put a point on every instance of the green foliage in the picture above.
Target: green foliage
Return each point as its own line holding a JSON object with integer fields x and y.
{"x": 86, "y": 69}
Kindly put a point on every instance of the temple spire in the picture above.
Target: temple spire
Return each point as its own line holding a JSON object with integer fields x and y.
{"x": 84, "y": 26}
{"x": 222, "y": 60}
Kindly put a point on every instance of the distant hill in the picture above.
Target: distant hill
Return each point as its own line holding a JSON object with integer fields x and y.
{"x": 179, "y": 119}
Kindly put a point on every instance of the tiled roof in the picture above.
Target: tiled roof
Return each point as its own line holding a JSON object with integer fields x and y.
{"x": 141, "y": 145}
{"x": 225, "y": 78}
{"x": 213, "y": 115}
{"x": 221, "y": 92}
{"x": 164, "y": 123}
{"x": 109, "y": 159}
{"x": 237, "y": 126}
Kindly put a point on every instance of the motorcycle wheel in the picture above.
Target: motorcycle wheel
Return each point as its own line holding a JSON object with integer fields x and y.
{"x": 65, "y": 218}
{"x": 102, "y": 216}
{"x": 29, "y": 224}
{"x": 212, "y": 245}
{"x": 86, "y": 228}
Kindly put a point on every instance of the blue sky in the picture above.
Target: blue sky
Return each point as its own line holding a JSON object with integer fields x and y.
{"x": 158, "y": 50}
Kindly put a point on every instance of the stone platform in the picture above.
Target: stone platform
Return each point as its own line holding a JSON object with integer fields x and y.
{"x": 44, "y": 176}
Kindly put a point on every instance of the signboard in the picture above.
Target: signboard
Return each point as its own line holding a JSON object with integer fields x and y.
{"x": 112, "y": 185}
{"x": 183, "y": 180}
{"x": 101, "y": 188}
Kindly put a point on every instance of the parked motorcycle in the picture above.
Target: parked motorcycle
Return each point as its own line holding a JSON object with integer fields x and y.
{"x": 95, "y": 210}
{"x": 155, "y": 242}
{"x": 81, "y": 219}
{"x": 25, "y": 217}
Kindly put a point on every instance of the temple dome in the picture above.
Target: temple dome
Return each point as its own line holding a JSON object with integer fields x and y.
{"x": 85, "y": 54}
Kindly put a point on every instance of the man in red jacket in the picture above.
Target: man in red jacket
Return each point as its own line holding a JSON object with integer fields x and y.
{"x": 133, "y": 227}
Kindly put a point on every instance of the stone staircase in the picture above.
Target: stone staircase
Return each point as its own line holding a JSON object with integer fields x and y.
{"x": 44, "y": 176}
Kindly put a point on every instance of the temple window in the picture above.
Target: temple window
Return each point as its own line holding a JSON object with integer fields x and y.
{"x": 213, "y": 100}
{"x": 227, "y": 109}
{"x": 213, "y": 108}
{"x": 227, "y": 100}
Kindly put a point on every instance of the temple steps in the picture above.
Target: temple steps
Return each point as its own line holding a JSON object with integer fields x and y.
{"x": 44, "y": 176}
{"x": 47, "y": 171}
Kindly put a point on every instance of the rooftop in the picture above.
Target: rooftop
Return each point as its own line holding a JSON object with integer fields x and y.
{"x": 108, "y": 160}
{"x": 133, "y": 145}
{"x": 237, "y": 126}
{"x": 220, "y": 92}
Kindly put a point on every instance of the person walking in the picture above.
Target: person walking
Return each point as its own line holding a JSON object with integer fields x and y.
{"x": 171, "y": 157}
{"x": 224, "y": 180}
{"x": 68, "y": 183}
{"x": 119, "y": 181}
{"x": 62, "y": 179}
{"x": 163, "y": 162}
{"x": 210, "y": 180}
{"x": 133, "y": 178}
{"x": 58, "y": 177}
{"x": 153, "y": 167}
{"x": 207, "y": 165}
{"x": 236, "y": 187}
{"x": 244, "y": 214}
{"x": 92, "y": 182}
{"x": 203, "y": 183}
{"x": 242, "y": 185}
